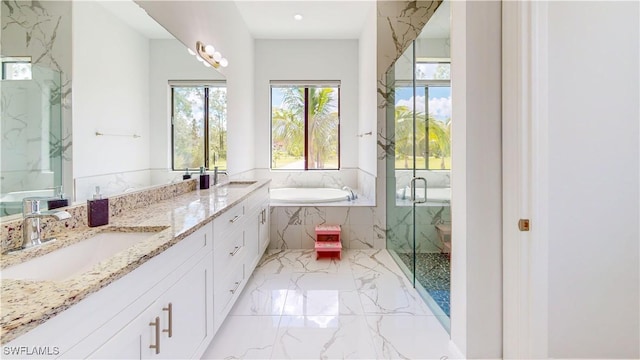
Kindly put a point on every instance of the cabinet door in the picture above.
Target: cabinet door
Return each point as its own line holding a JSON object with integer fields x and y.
{"x": 186, "y": 312}
{"x": 263, "y": 236}
{"x": 127, "y": 343}
{"x": 251, "y": 236}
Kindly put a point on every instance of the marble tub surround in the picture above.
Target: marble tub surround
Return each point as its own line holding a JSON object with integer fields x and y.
{"x": 293, "y": 227}
{"x": 26, "y": 303}
{"x": 360, "y": 307}
{"x": 11, "y": 229}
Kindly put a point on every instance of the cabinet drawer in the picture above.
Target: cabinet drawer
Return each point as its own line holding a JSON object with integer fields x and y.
{"x": 226, "y": 221}
{"x": 229, "y": 250}
{"x": 228, "y": 287}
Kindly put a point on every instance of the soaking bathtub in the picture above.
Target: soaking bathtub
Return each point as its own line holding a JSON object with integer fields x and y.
{"x": 308, "y": 195}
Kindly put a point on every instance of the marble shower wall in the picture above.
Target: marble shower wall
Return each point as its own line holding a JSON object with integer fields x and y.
{"x": 42, "y": 30}
{"x": 399, "y": 23}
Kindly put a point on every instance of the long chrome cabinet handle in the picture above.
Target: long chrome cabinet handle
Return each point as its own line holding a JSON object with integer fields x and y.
{"x": 235, "y": 250}
{"x": 156, "y": 324}
{"x": 169, "y": 329}
{"x": 233, "y": 291}
{"x": 235, "y": 218}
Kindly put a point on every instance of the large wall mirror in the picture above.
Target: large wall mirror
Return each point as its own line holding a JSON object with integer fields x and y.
{"x": 89, "y": 107}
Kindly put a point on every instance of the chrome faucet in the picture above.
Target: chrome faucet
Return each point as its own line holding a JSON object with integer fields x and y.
{"x": 31, "y": 230}
{"x": 353, "y": 195}
{"x": 217, "y": 172}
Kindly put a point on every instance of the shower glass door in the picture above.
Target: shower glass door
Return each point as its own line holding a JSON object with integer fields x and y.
{"x": 417, "y": 171}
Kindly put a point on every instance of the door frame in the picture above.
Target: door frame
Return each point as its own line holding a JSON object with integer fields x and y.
{"x": 525, "y": 178}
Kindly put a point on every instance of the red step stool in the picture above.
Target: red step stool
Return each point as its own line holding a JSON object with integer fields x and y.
{"x": 328, "y": 241}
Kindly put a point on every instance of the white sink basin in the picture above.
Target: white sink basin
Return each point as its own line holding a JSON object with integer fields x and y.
{"x": 75, "y": 259}
{"x": 240, "y": 184}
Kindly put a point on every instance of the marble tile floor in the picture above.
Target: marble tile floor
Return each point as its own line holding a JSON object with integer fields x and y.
{"x": 360, "y": 307}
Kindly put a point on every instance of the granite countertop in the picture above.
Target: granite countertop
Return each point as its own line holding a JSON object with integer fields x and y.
{"x": 26, "y": 304}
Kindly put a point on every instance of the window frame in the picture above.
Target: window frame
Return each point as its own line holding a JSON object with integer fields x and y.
{"x": 306, "y": 85}
{"x": 207, "y": 85}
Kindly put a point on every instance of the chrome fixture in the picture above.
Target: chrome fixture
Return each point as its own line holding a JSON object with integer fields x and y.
{"x": 352, "y": 193}
{"x": 217, "y": 172}
{"x": 31, "y": 230}
{"x": 135, "y": 136}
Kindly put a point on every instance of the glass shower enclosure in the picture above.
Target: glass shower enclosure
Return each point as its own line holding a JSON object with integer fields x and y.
{"x": 418, "y": 193}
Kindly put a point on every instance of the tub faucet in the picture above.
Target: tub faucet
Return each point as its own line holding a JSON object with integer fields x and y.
{"x": 31, "y": 230}
{"x": 353, "y": 195}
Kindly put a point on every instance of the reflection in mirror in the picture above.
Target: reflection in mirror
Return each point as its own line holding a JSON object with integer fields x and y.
{"x": 122, "y": 64}
{"x": 31, "y": 132}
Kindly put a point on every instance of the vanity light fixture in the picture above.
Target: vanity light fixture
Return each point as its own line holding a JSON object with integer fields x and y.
{"x": 209, "y": 56}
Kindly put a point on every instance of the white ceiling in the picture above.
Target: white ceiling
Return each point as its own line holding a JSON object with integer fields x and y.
{"x": 327, "y": 19}
{"x": 134, "y": 16}
{"x": 267, "y": 19}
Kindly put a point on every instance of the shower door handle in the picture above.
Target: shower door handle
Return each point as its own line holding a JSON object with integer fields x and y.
{"x": 413, "y": 190}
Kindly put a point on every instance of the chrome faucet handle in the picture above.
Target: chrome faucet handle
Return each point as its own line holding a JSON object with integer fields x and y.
{"x": 31, "y": 205}
{"x": 31, "y": 213}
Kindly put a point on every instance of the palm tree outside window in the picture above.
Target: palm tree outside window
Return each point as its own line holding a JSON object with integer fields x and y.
{"x": 305, "y": 126}
{"x": 433, "y": 118}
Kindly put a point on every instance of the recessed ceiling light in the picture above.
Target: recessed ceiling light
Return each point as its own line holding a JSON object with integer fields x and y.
{"x": 297, "y": 17}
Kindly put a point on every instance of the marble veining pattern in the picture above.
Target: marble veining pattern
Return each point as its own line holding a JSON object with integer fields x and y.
{"x": 42, "y": 30}
{"x": 28, "y": 303}
{"x": 300, "y": 308}
{"x": 294, "y": 227}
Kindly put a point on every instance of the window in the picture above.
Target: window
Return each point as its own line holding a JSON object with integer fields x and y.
{"x": 16, "y": 68}
{"x": 305, "y": 126}
{"x": 198, "y": 125}
{"x": 432, "y": 132}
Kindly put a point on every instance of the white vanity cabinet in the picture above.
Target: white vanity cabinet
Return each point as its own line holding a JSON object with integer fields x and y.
{"x": 237, "y": 250}
{"x": 114, "y": 322}
{"x": 170, "y": 306}
{"x": 173, "y": 327}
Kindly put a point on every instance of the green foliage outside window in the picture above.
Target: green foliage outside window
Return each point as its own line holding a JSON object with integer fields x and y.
{"x": 196, "y": 108}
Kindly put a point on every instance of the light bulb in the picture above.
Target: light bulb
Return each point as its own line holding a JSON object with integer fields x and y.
{"x": 206, "y": 64}
{"x": 191, "y": 52}
{"x": 217, "y": 56}
{"x": 199, "y": 58}
{"x": 210, "y": 50}
{"x": 224, "y": 62}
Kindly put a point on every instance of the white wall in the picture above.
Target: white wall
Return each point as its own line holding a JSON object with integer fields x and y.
{"x": 224, "y": 28}
{"x": 308, "y": 60}
{"x": 476, "y": 204}
{"x": 169, "y": 60}
{"x": 367, "y": 109}
{"x": 110, "y": 93}
{"x": 594, "y": 303}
